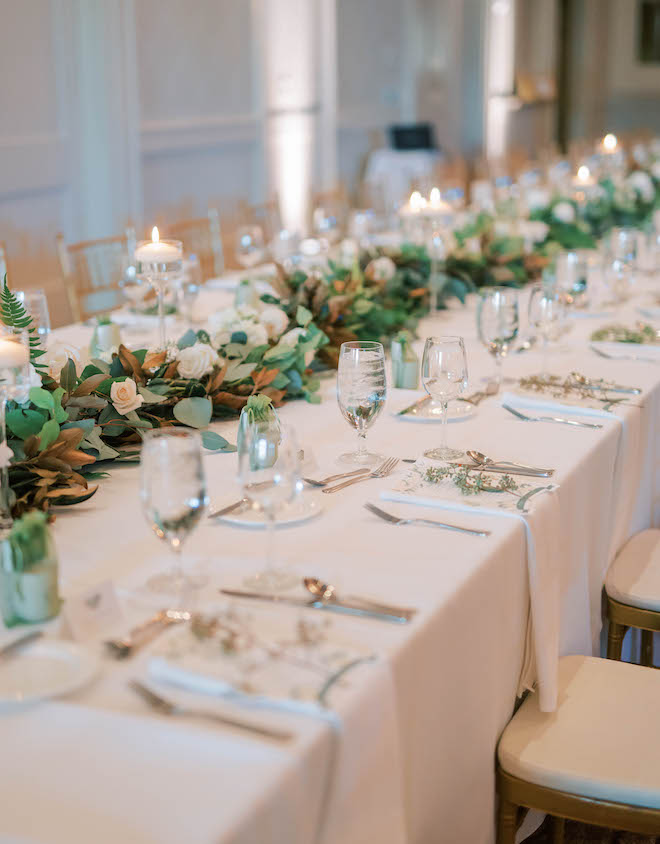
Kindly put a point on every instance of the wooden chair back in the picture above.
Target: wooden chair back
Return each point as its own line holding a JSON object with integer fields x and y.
{"x": 264, "y": 214}
{"x": 201, "y": 236}
{"x": 91, "y": 271}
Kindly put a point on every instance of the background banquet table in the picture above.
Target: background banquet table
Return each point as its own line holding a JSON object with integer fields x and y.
{"x": 412, "y": 755}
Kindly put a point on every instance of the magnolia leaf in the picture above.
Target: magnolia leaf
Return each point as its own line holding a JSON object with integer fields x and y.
{"x": 86, "y": 425}
{"x": 68, "y": 378}
{"x": 116, "y": 367}
{"x": 214, "y": 442}
{"x": 132, "y": 416}
{"x": 154, "y": 360}
{"x": 48, "y": 434}
{"x": 94, "y": 442}
{"x": 151, "y": 397}
{"x": 195, "y": 412}
{"x": 224, "y": 399}
{"x": 58, "y": 411}
{"x": 108, "y": 417}
{"x": 25, "y": 423}
{"x": 71, "y": 436}
{"x": 75, "y": 495}
{"x": 90, "y": 370}
{"x": 131, "y": 364}
{"x": 264, "y": 377}
{"x": 89, "y": 384}
{"x": 75, "y": 457}
{"x": 88, "y": 402}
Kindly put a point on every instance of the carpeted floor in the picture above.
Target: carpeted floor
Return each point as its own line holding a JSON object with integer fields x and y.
{"x": 579, "y": 833}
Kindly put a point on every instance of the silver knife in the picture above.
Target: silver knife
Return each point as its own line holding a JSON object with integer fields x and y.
{"x": 615, "y": 388}
{"x": 229, "y": 508}
{"x": 313, "y": 604}
{"x": 504, "y": 470}
{"x": 19, "y": 643}
{"x": 415, "y": 405}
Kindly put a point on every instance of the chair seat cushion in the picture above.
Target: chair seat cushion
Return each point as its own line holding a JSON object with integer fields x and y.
{"x": 602, "y": 742}
{"x": 634, "y": 576}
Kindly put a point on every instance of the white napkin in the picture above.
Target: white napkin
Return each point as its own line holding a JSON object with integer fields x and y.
{"x": 650, "y": 312}
{"x": 627, "y": 350}
{"x": 542, "y": 528}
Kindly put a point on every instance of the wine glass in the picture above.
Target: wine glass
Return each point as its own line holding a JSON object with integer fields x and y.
{"x": 36, "y": 304}
{"x": 173, "y": 495}
{"x": 497, "y": 323}
{"x": 546, "y": 314}
{"x": 326, "y": 224}
{"x": 361, "y": 392}
{"x": 250, "y": 249}
{"x": 269, "y": 474}
{"x": 444, "y": 376}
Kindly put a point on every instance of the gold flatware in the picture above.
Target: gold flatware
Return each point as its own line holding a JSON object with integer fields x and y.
{"x": 145, "y": 633}
{"x": 168, "y": 707}
{"x": 382, "y": 471}
{"x": 417, "y": 405}
{"x": 328, "y": 594}
{"x": 230, "y": 508}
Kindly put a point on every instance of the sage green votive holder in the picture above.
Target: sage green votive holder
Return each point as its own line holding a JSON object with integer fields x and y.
{"x": 405, "y": 366}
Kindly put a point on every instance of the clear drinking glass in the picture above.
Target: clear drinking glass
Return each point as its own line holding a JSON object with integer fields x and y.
{"x": 250, "y": 248}
{"x": 497, "y": 323}
{"x": 326, "y": 223}
{"x": 35, "y": 303}
{"x": 444, "y": 376}
{"x": 361, "y": 393}
{"x": 623, "y": 245}
{"x": 173, "y": 494}
{"x": 546, "y": 314}
{"x": 269, "y": 474}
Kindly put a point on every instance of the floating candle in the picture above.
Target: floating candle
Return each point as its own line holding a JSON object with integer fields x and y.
{"x": 13, "y": 354}
{"x": 157, "y": 251}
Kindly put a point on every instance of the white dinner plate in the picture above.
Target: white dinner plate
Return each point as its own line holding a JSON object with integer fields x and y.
{"x": 45, "y": 669}
{"x": 432, "y": 412}
{"x": 301, "y": 510}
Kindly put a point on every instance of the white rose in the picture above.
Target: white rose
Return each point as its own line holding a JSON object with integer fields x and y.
{"x": 274, "y": 320}
{"x": 6, "y": 455}
{"x": 349, "y": 250}
{"x": 564, "y": 212}
{"x": 535, "y": 230}
{"x": 291, "y": 337}
{"x": 641, "y": 183}
{"x": 655, "y": 170}
{"x": 256, "y": 333}
{"x": 125, "y": 397}
{"x": 381, "y": 269}
{"x": 57, "y": 354}
{"x": 197, "y": 361}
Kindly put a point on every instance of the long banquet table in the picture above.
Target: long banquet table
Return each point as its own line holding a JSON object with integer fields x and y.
{"x": 410, "y": 756}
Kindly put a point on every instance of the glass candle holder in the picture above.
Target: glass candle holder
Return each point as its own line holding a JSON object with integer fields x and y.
{"x": 160, "y": 262}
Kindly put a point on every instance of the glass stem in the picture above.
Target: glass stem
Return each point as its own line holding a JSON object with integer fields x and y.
{"x": 444, "y": 405}
{"x": 161, "y": 316}
{"x": 544, "y": 356}
{"x": 498, "y": 369}
{"x": 5, "y": 511}
{"x": 361, "y": 445}
{"x": 270, "y": 541}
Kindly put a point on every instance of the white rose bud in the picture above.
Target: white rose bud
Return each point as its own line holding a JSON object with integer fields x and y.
{"x": 564, "y": 212}
{"x": 125, "y": 397}
{"x": 6, "y": 455}
{"x": 197, "y": 361}
{"x": 380, "y": 269}
{"x": 274, "y": 321}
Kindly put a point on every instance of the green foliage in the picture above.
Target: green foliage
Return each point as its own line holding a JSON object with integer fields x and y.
{"x": 14, "y": 315}
{"x": 195, "y": 412}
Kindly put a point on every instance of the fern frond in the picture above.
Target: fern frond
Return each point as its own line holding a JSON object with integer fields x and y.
{"x": 14, "y": 315}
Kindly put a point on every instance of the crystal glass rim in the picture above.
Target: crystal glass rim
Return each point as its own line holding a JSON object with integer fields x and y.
{"x": 361, "y": 344}
{"x": 445, "y": 339}
{"x": 171, "y": 433}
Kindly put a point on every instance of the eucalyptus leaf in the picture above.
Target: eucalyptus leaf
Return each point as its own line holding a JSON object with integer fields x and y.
{"x": 42, "y": 398}
{"x": 25, "y": 423}
{"x": 93, "y": 442}
{"x": 195, "y": 412}
{"x": 237, "y": 371}
{"x": 151, "y": 397}
{"x": 214, "y": 442}
{"x": 48, "y": 434}
{"x": 188, "y": 339}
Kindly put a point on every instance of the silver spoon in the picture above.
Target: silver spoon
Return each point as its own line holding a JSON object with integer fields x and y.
{"x": 328, "y": 594}
{"x": 480, "y": 458}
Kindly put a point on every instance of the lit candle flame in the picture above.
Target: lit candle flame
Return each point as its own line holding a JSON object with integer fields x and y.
{"x": 583, "y": 173}
{"x": 609, "y": 142}
{"x": 155, "y": 237}
{"x": 434, "y": 196}
{"x": 417, "y": 201}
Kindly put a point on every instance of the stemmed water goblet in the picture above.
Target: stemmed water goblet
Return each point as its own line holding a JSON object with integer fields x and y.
{"x": 361, "y": 393}
{"x": 497, "y": 323}
{"x": 269, "y": 474}
{"x": 173, "y": 495}
{"x": 35, "y": 303}
{"x": 445, "y": 377}
{"x": 546, "y": 314}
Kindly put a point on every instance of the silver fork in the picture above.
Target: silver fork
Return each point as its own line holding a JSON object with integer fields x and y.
{"x": 559, "y": 419}
{"x": 383, "y": 470}
{"x": 168, "y": 707}
{"x": 395, "y": 520}
{"x": 331, "y": 478}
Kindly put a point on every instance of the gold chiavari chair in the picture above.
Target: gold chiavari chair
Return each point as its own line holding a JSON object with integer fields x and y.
{"x": 92, "y": 270}
{"x": 594, "y": 759}
{"x": 201, "y": 236}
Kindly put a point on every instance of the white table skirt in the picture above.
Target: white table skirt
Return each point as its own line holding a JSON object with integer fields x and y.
{"x": 96, "y": 766}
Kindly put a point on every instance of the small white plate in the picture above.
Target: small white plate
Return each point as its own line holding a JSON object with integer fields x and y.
{"x": 432, "y": 412}
{"x": 301, "y": 510}
{"x": 45, "y": 669}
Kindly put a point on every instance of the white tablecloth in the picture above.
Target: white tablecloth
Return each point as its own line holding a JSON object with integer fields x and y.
{"x": 97, "y": 766}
